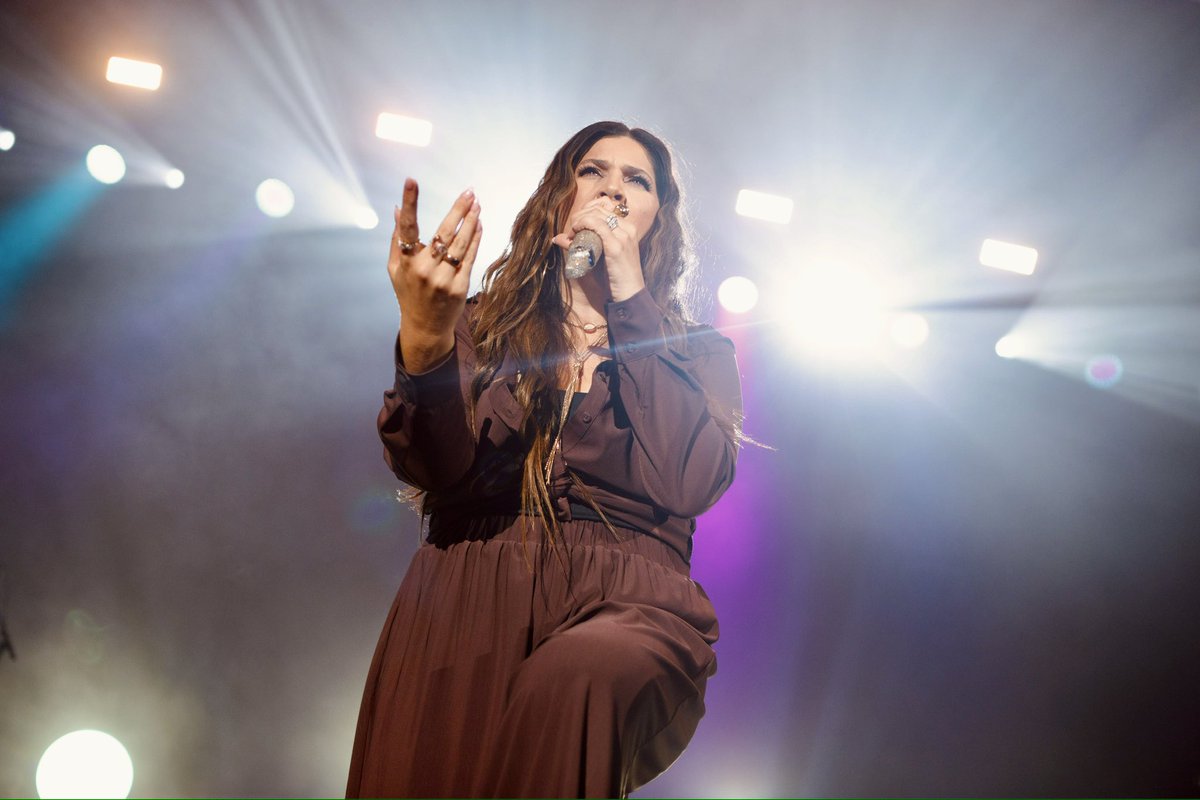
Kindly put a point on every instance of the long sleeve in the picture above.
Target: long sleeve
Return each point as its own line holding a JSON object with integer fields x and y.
{"x": 424, "y": 426}
{"x": 668, "y": 390}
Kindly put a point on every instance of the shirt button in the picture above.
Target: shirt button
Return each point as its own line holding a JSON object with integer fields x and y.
{"x": 586, "y": 417}
{"x": 621, "y": 313}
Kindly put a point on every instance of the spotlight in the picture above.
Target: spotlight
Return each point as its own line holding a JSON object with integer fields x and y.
{"x": 7, "y": 139}
{"x": 1104, "y": 371}
{"x": 105, "y": 164}
{"x": 769, "y": 207}
{"x": 173, "y": 179}
{"x": 139, "y": 74}
{"x": 834, "y": 311}
{"x": 406, "y": 130}
{"x": 1011, "y": 257}
{"x": 366, "y": 219}
{"x": 1008, "y": 347}
{"x": 909, "y": 331}
{"x": 737, "y": 294}
{"x": 85, "y": 763}
{"x": 274, "y": 198}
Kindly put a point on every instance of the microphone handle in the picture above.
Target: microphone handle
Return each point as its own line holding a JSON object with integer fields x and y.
{"x": 585, "y": 250}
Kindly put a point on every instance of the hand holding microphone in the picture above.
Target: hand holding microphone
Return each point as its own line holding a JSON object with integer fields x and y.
{"x": 587, "y": 247}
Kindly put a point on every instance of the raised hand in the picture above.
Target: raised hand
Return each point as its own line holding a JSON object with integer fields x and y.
{"x": 431, "y": 281}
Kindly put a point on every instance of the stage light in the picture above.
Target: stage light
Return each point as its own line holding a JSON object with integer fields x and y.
{"x": 85, "y": 763}
{"x": 406, "y": 130}
{"x": 275, "y": 198}
{"x": 7, "y": 139}
{"x": 1011, "y": 257}
{"x": 105, "y": 164}
{"x": 173, "y": 179}
{"x": 1009, "y": 347}
{"x": 737, "y": 294}
{"x": 139, "y": 74}
{"x": 366, "y": 219}
{"x": 1104, "y": 371}
{"x": 833, "y": 311}
{"x": 909, "y": 331}
{"x": 759, "y": 205}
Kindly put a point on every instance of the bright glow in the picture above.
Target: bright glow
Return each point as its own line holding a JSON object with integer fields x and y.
{"x": 275, "y": 198}
{"x": 7, "y": 139}
{"x": 738, "y": 294}
{"x": 1009, "y": 347}
{"x": 105, "y": 164}
{"x": 141, "y": 74}
{"x": 1104, "y": 371}
{"x": 909, "y": 330}
{"x": 173, "y": 179}
{"x": 366, "y": 219}
{"x": 85, "y": 763}
{"x": 760, "y": 205}
{"x": 406, "y": 130}
{"x": 1012, "y": 257}
{"x": 834, "y": 311}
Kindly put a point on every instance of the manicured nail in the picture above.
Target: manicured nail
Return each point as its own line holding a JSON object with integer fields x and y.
{"x": 469, "y": 192}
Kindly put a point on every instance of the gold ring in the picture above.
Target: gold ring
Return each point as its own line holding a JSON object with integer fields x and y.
{"x": 622, "y": 210}
{"x": 452, "y": 261}
{"x": 408, "y": 248}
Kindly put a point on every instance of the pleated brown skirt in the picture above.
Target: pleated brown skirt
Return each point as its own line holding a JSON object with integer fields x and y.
{"x": 510, "y": 670}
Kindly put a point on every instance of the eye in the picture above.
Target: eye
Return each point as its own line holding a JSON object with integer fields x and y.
{"x": 643, "y": 180}
{"x": 587, "y": 170}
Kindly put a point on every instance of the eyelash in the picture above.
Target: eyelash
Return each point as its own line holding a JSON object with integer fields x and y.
{"x": 639, "y": 179}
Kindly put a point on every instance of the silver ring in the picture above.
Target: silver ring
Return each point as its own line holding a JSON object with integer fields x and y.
{"x": 612, "y": 222}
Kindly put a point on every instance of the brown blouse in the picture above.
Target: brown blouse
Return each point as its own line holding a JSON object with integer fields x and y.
{"x": 643, "y": 442}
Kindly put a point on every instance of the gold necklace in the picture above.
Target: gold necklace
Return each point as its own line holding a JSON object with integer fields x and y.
{"x": 578, "y": 359}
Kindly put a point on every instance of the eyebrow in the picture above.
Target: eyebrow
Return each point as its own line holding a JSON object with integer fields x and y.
{"x": 630, "y": 170}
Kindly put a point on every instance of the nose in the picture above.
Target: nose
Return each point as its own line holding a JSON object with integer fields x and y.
{"x": 612, "y": 188}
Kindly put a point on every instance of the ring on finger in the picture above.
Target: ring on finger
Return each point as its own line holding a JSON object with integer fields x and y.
{"x": 612, "y": 221}
{"x": 438, "y": 248}
{"x": 408, "y": 248}
{"x": 621, "y": 210}
{"x": 453, "y": 261}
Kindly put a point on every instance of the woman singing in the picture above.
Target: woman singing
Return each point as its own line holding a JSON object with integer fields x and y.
{"x": 564, "y": 427}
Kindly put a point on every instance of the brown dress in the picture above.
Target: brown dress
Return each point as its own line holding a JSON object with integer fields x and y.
{"x": 525, "y": 670}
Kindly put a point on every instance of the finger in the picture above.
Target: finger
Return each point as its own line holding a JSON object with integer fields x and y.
{"x": 456, "y": 253}
{"x": 406, "y": 217}
{"x": 463, "y": 279}
{"x": 461, "y": 207}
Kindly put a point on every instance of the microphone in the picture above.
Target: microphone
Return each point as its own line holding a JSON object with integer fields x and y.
{"x": 586, "y": 249}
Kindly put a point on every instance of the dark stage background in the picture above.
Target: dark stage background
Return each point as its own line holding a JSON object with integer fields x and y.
{"x": 953, "y": 574}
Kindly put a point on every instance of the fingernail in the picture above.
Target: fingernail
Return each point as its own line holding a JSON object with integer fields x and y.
{"x": 475, "y": 206}
{"x": 469, "y": 192}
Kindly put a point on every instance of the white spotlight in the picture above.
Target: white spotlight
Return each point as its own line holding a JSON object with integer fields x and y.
{"x": 1011, "y": 257}
{"x": 85, "y": 763}
{"x": 737, "y": 294}
{"x": 1009, "y": 347}
{"x": 105, "y": 164}
{"x": 7, "y": 139}
{"x": 909, "y": 331}
{"x": 139, "y": 74}
{"x": 835, "y": 311}
{"x": 366, "y": 218}
{"x": 173, "y": 179}
{"x": 760, "y": 205}
{"x": 406, "y": 130}
{"x": 274, "y": 198}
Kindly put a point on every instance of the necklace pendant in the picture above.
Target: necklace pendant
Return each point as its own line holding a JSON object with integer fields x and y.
{"x": 590, "y": 328}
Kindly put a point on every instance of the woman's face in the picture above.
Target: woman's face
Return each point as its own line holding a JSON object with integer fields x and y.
{"x": 619, "y": 169}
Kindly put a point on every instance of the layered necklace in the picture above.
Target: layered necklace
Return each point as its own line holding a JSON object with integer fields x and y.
{"x": 578, "y": 359}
